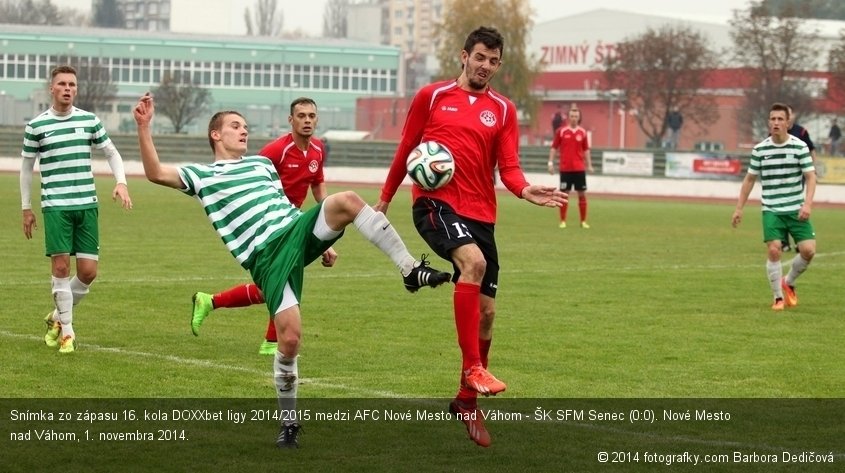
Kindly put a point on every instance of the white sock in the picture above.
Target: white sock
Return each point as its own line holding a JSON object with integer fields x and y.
{"x": 773, "y": 269}
{"x": 376, "y": 228}
{"x": 79, "y": 290}
{"x": 286, "y": 376}
{"x": 799, "y": 265}
{"x": 63, "y": 299}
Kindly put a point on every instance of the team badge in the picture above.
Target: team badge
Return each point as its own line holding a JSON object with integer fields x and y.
{"x": 312, "y": 166}
{"x": 488, "y": 118}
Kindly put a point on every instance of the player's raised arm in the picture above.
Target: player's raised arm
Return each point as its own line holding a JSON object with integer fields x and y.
{"x": 155, "y": 171}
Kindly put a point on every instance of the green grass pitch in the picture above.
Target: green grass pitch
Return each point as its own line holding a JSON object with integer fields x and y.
{"x": 658, "y": 300}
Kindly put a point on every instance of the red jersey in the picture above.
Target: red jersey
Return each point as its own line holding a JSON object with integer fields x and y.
{"x": 481, "y": 131}
{"x": 572, "y": 144}
{"x": 297, "y": 169}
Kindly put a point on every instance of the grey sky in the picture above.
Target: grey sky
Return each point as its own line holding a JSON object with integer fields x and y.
{"x": 310, "y": 19}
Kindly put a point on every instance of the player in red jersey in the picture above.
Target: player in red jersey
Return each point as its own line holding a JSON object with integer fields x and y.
{"x": 573, "y": 147}
{"x": 298, "y": 158}
{"x": 479, "y": 126}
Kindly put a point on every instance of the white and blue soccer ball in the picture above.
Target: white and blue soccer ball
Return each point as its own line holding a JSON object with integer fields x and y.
{"x": 430, "y": 165}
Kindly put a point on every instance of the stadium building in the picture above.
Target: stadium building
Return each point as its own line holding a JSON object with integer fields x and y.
{"x": 258, "y": 76}
{"x": 573, "y": 48}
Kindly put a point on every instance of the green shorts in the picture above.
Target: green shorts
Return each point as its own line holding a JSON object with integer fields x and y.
{"x": 284, "y": 259}
{"x": 71, "y": 232}
{"x": 776, "y": 227}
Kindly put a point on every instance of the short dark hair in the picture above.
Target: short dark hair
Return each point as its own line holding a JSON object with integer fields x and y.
{"x": 216, "y": 123}
{"x": 782, "y": 107}
{"x": 489, "y": 37}
{"x": 64, "y": 69}
{"x": 300, "y": 101}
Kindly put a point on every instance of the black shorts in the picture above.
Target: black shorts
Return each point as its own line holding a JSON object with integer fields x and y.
{"x": 576, "y": 179}
{"x": 444, "y": 230}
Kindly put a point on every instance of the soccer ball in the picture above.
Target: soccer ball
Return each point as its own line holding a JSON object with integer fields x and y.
{"x": 430, "y": 165}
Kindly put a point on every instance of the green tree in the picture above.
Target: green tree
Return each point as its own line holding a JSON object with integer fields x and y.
{"x": 334, "y": 18}
{"x": 662, "y": 70}
{"x": 267, "y": 21}
{"x": 181, "y": 100}
{"x": 30, "y": 12}
{"x": 512, "y": 18}
{"x": 774, "y": 51}
{"x": 107, "y": 14}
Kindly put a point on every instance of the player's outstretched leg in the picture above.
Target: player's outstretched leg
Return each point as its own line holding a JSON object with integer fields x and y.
{"x": 339, "y": 210}
{"x": 423, "y": 275}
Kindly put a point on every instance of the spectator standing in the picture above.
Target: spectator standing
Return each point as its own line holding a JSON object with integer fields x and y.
{"x": 674, "y": 122}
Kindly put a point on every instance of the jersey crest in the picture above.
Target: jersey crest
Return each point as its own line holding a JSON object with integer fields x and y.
{"x": 488, "y": 118}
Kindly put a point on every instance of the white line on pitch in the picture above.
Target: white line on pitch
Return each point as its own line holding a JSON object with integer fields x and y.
{"x": 356, "y": 275}
{"x": 217, "y": 366}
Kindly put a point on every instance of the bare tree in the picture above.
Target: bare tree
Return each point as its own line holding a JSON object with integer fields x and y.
{"x": 181, "y": 100}
{"x": 30, "y": 12}
{"x": 512, "y": 18}
{"x": 663, "y": 70}
{"x": 95, "y": 89}
{"x": 267, "y": 21}
{"x": 836, "y": 66}
{"x": 334, "y": 18}
{"x": 775, "y": 52}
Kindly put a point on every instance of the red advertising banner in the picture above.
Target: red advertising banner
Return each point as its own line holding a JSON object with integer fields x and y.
{"x": 703, "y": 166}
{"x": 717, "y": 166}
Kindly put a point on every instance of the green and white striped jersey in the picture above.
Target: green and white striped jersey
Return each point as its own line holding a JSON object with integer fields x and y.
{"x": 781, "y": 168}
{"x": 63, "y": 147}
{"x": 244, "y": 201}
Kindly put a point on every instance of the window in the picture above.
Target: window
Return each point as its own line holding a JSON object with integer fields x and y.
{"x": 306, "y": 77}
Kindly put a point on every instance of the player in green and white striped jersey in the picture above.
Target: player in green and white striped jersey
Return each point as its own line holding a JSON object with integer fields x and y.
{"x": 245, "y": 202}
{"x": 60, "y": 139}
{"x": 785, "y": 168}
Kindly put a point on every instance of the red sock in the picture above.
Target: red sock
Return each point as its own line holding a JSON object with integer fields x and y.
{"x": 563, "y": 212}
{"x": 484, "y": 350}
{"x": 270, "y": 336}
{"x": 582, "y": 207}
{"x": 238, "y": 296}
{"x": 467, "y": 301}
